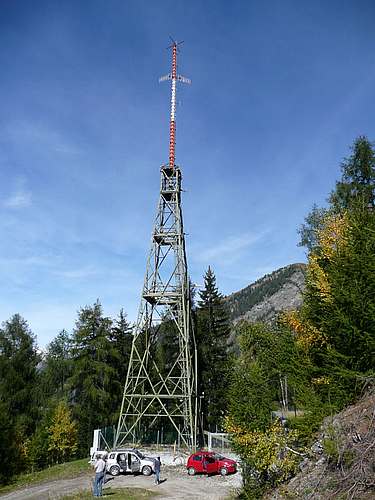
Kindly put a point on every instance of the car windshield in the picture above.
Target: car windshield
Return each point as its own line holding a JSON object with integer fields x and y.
{"x": 139, "y": 454}
{"x": 217, "y": 456}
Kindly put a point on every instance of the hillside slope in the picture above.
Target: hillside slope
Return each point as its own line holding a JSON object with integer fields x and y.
{"x": 264, "y": 299}
{"x": 342, "y": 462}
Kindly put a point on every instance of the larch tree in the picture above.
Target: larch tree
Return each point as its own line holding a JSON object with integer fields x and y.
{"x": 355, "y": 188}
{"x": 62, "y": 434}
{"x": 336, "y": 322}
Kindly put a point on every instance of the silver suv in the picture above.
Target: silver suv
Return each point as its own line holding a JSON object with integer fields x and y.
{"x": 129, "y": 460}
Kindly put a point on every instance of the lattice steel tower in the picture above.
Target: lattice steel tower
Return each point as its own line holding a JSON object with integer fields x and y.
{"x": 163, "y": 397}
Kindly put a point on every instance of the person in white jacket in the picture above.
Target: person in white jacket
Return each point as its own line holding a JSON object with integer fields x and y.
{"x": 99, "y": 467}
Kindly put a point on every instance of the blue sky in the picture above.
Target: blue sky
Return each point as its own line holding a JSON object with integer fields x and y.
{"x": 280, "y": 90}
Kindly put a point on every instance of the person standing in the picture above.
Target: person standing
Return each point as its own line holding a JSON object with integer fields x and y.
{"x": 157, "y": 465}
{"x": 99, "y": 467}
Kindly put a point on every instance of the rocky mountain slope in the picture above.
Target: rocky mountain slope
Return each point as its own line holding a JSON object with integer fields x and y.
{"x": 341, "y": 464}
{"x": 264, "y": 299}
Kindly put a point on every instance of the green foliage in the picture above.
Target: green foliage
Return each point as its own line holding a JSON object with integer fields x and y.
{"x": 92, "y": 374}
{"x": 57, "y": 365}
{"x": 120, "y": 337}
{"x": 308, "y": 231}
{"x": 39, "y": 455}
{"x": 18, "y": 372}
{"x": 212, "y": 332}
{"x": 268, "y": 355}
{"x": 358, "y": 178}
{"x": 250, "y": 397}
{"x": 10, "y": 451}
{"x": 343, "y": 310}
{"x": 267, "y": 454}
{"x": 356, "y": 187}
{"x": 19, "y": 395}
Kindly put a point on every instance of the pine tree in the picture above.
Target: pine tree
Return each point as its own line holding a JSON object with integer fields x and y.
{"x": 212, "y": 332}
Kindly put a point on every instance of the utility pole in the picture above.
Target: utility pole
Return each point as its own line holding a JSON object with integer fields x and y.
{"x": 153, "y": 401}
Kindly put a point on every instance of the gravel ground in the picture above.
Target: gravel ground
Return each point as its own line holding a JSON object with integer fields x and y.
{"x": 176, "y": 484}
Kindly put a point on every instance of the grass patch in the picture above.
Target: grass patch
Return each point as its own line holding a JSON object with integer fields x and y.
{"x": 61, "y": 471}
{"x": 113, "y": 494}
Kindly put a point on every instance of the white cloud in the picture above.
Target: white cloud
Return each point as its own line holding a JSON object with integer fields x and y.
{"x": 20, "y": 196}
{"x": 41, "y": 136}
{"x": 230, "y": 249}
{"x": 19, "y": 199}
{"x": 79, "y": 273}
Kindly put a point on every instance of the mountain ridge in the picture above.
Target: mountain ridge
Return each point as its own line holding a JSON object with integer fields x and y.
{"x": 264, "y": 299}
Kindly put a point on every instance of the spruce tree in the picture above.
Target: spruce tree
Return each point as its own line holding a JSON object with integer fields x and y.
{"x": 92, "y": 375}
{"x": 58, "y": 364}
{"x": 118, "y": 359}
{"x": 212, "y": 332}
{"x": 19, "y": 380}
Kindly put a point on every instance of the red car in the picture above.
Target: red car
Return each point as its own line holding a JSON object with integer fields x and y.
{"x": 208, "y": 462}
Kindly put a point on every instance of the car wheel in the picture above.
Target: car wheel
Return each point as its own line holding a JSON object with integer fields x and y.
{"x": 114, "y": 470}
{"x": 223, "y": 471}
{"x": 146, "y": 470}
{"x": 191, "y": 471}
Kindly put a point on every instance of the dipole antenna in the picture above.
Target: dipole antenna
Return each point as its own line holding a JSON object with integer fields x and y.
{"x": 174, "y": 77}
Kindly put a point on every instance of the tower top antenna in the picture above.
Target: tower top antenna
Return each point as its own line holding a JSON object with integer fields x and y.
{"x": 174, "y": 77}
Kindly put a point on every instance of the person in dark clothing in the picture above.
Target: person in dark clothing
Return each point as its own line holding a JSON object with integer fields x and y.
{"x": 157, "y": 465}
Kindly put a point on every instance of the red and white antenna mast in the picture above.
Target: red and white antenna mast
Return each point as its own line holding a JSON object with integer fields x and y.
{"x": 174, "y": 77}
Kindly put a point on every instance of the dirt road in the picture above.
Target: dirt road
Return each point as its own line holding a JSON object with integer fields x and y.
{"x": 176, "y": 485}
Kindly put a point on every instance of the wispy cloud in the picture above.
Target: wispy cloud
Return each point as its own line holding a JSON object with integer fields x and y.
{"x": 20, "y": 197}
{"x": 76, "y": 274}
{"x": 230, "y": 249}
{"x": 40, "y": 136}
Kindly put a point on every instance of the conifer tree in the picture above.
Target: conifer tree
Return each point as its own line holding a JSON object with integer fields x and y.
{"x": 336, "y": 323}
{"x": 356, "y": 187}
{"x": 358, "y": 178}
{"x": 212, "y": 332}
{"x": 18, "y": 373}
{"x": 10, "y": 452}
{"x": 92, "y": 374}
{"x": 58, "y": 364}
{"x": 121, "y": 342}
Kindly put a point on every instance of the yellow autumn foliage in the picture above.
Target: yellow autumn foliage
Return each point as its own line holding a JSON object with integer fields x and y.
{"x": 306, "y": 334}
{"x": 332, "y": 239}
{"x": 62, "y": 434}
{"x": 268, "y": 452}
